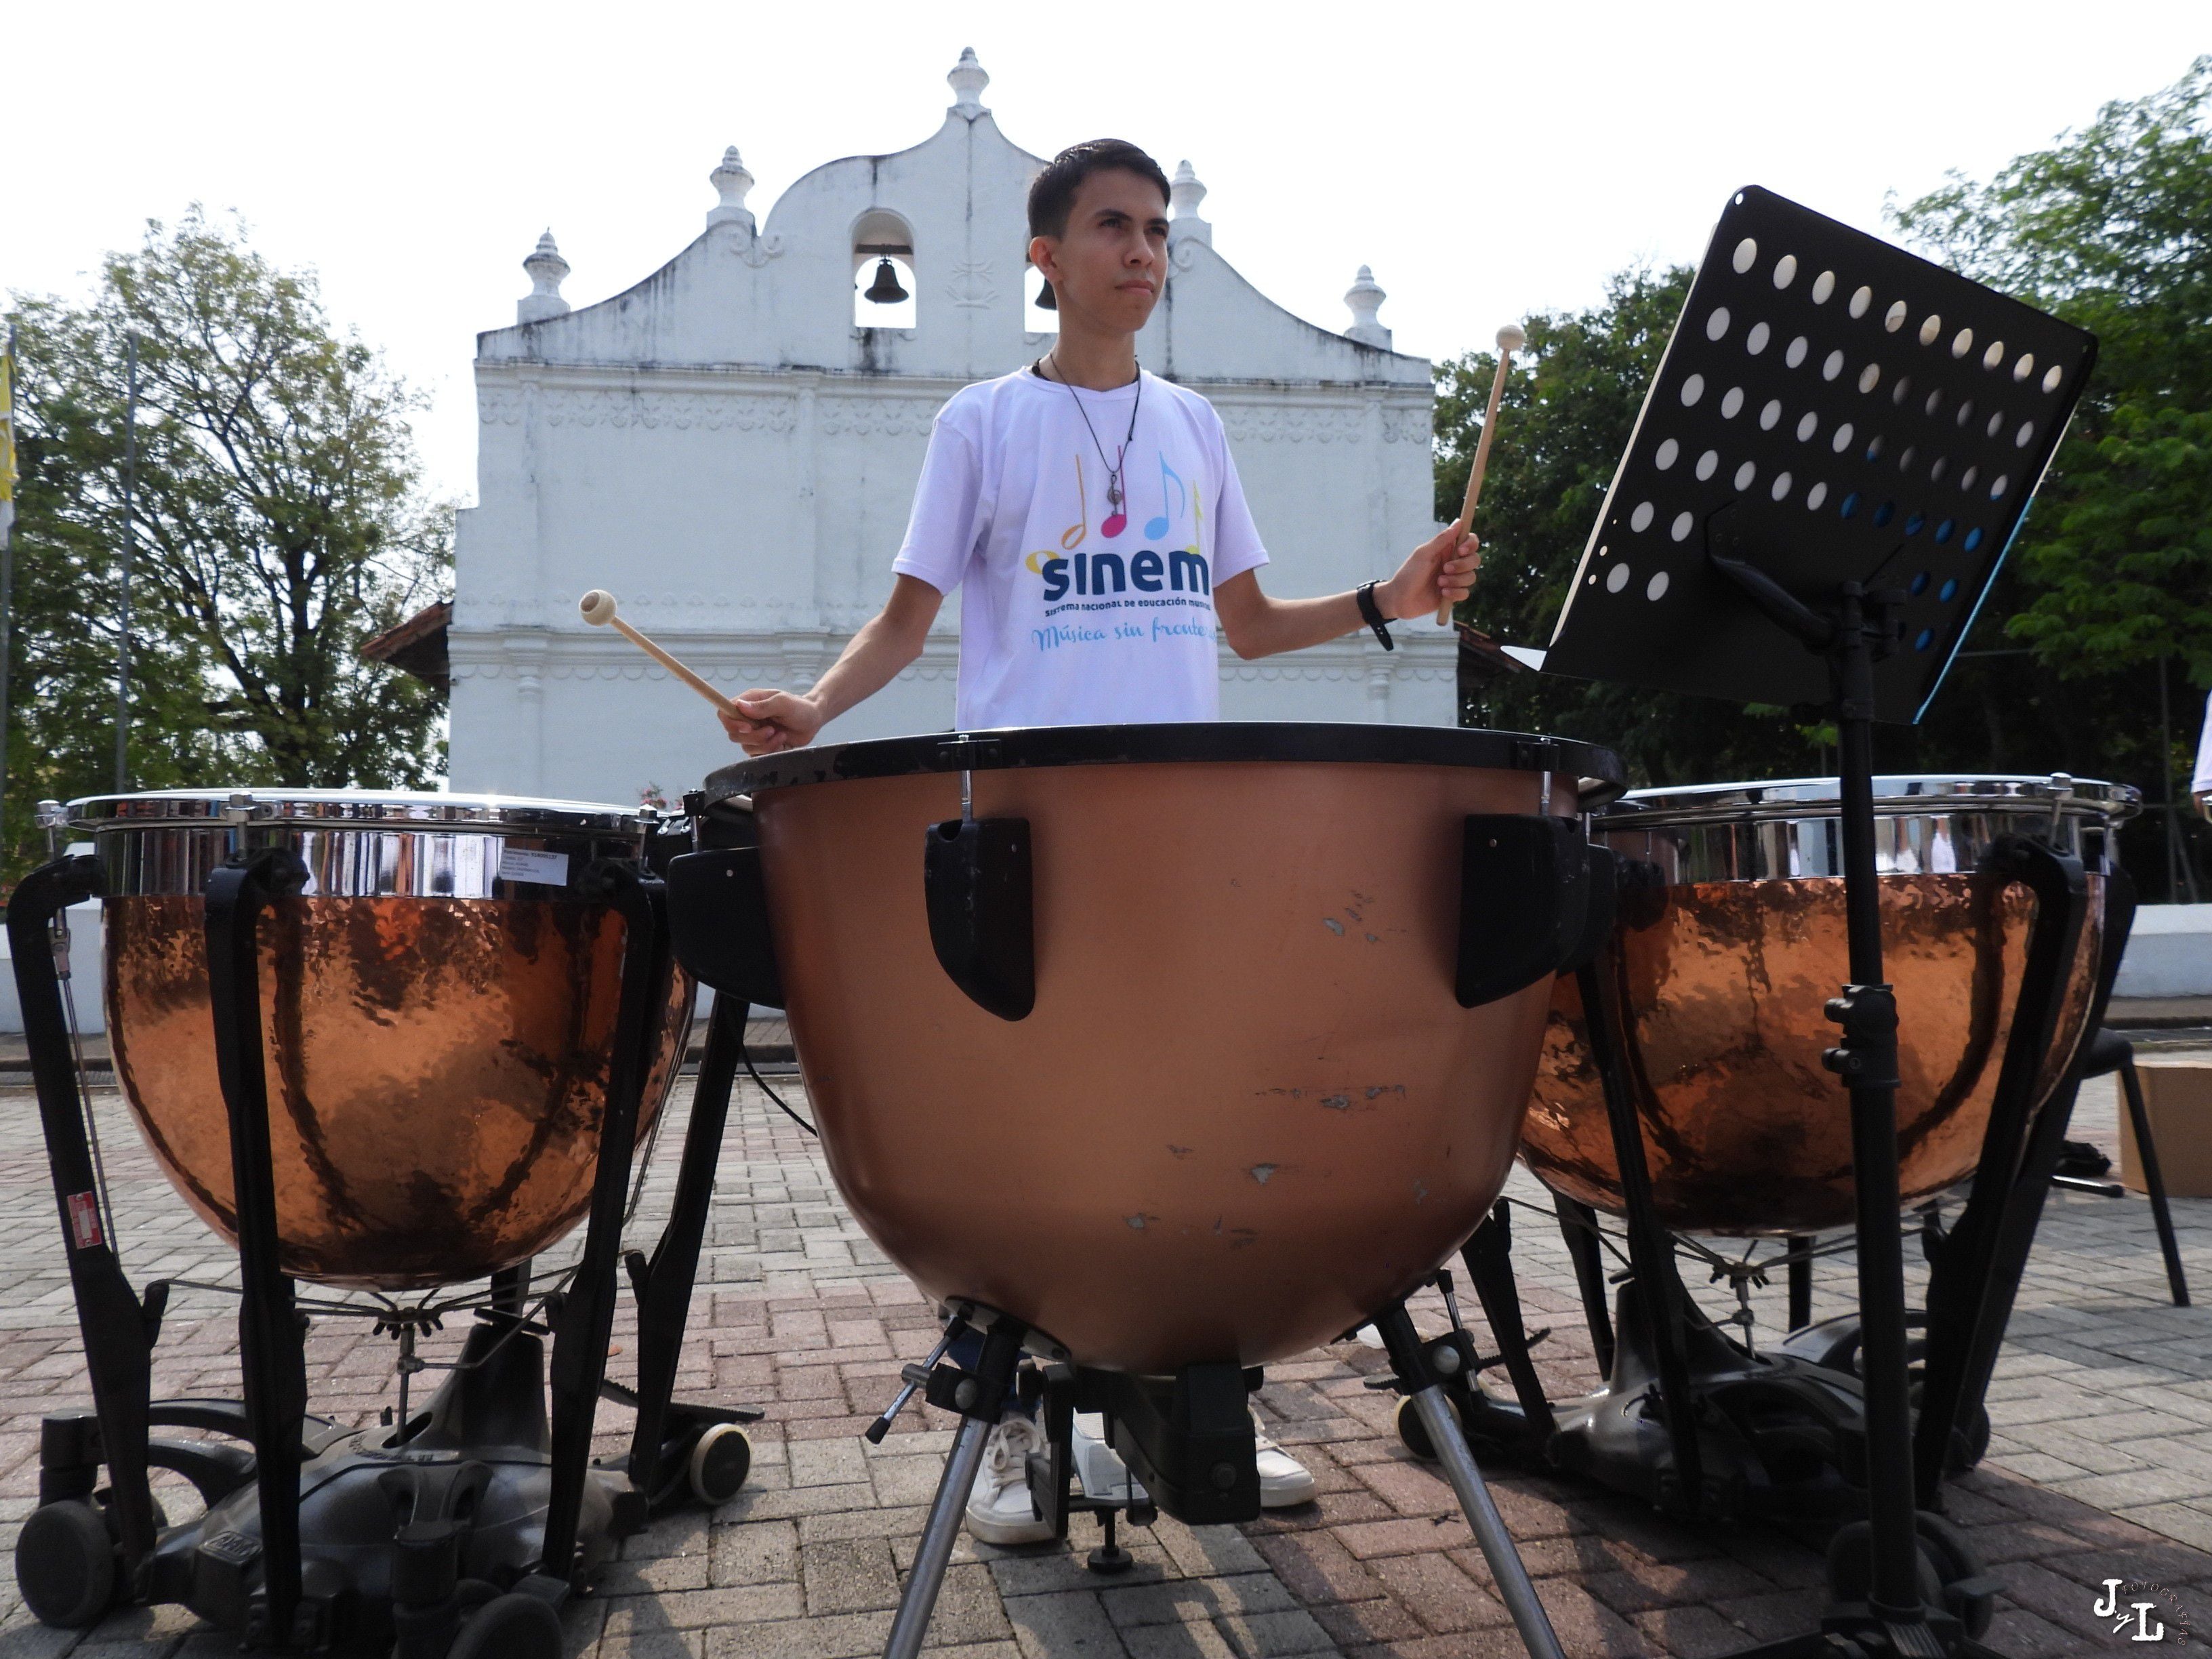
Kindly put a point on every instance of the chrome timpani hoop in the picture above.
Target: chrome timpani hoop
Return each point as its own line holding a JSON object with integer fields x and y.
{"x": 357, "y": 844}
{"x": 1936, "y": 824}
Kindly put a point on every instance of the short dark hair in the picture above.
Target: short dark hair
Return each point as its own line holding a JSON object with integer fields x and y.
{"x": 1053, "y": 193}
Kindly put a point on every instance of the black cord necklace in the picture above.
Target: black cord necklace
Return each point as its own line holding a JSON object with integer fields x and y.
{"x": 1113, "y": 492}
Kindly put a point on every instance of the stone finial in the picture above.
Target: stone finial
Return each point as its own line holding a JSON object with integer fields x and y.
{"x": 1184, "y": 194}
{"x": 967, "y": 80}
{"x": 1366, "y": 297}
{"x": 732, "y": 181}
{"x": 547, "y": 268}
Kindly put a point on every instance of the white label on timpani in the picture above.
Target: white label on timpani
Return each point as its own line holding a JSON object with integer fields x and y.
{"x": 520, "y": 864}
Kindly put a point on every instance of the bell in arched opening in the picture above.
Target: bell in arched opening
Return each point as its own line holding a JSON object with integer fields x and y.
{"x": 886, "y": 289}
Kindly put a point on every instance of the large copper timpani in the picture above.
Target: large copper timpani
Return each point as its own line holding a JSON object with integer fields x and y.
{"x": 438, "y": 1018}
{"x": 1724, "y": 973}
{"x": 1247, "y": 1111}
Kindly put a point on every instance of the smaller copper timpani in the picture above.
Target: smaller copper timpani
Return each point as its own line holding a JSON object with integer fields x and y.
{"x": 1725, "y": 970}
{"x": 438, "y": 1014}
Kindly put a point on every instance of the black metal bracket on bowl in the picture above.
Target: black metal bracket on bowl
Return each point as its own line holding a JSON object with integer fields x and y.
{"x": 718, "y": 923}
{"x": 977, "y": 887}
{"x": 1975, "y": 1274}
{"x": 273, "y": 1353}
{"x": 1188, "y": 1438}
{"x": 1535, "y": 897}
{"x": 584, "y": 1327}
{"x": 118, "y": 1331}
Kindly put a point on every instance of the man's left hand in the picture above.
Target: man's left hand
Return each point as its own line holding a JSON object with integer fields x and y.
{"x": 1440, "y": 571}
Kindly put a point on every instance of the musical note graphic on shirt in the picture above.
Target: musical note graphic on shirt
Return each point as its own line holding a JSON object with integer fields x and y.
{"x": 1075, "y": 533}
{"x": 1116, "y": 521}
{"x": 1158, "y": 527}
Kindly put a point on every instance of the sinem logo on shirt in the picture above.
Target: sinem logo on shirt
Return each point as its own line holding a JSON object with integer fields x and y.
{"x": 1099, "y": 576}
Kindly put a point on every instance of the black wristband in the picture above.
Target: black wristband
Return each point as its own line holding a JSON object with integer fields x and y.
{"x": 1364, "y": 593}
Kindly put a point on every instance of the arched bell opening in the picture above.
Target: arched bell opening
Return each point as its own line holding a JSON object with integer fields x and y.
{"x": 884, "y": 282}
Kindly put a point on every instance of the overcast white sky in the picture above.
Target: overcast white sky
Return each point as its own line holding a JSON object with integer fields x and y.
{"x": 1487, "y": 157}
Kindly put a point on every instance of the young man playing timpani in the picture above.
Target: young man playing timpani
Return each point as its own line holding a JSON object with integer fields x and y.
{"x": 1070, "y": 616}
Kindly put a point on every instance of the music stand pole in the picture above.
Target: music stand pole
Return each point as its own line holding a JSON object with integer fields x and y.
{"x": 1866, "y": 1059}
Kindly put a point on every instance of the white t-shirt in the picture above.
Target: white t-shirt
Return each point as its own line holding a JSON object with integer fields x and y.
{"x": 1073, "y": 612}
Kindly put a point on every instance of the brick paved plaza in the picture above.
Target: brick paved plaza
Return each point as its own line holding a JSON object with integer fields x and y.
{"x": 2101, "y": 1463}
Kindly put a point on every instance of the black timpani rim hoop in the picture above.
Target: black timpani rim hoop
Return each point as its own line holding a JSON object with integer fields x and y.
{"x": 1598, "y": 773}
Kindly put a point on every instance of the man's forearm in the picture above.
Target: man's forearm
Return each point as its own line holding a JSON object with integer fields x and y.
{"x": 1283, "y": 625}
{"x": 870, "y": 662}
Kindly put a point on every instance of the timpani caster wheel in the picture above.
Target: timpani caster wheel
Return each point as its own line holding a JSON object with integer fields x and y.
{"x": 66, "y": 1564}
{"x": 719, "y": 1461}
{"x": 510, "y": 1626}
{"x": 1413, "y": 1434}
{"x": 1951, "y": 1574}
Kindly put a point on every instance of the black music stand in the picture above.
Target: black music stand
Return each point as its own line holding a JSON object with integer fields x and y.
{"x": 1827, "y": 471}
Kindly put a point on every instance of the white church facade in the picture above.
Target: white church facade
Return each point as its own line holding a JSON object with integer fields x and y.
{"x": 730, "y": 448}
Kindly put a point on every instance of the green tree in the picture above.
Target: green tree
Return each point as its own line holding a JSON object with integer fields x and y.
{"x": 2110, "y": 587}
{"x": 279, "y": 522}
{"x": 2111, "y": 228}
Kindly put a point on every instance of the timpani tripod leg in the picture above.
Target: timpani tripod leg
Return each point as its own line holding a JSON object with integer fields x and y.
{"x": 2153, "y": 1183}
{"x": 1658, "y": 1286}
{"x": 665, "y": 1282}
{"x": 1489, "y": 1261}
{"x": 1801, "y": 1281}
{"x": 1578, "y": 1229}
{"x": 1418, "y": 1367}
{"x": 979, "y": 1396}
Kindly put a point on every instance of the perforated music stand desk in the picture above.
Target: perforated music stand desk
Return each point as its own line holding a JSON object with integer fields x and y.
{"x": 1829, "y": 467}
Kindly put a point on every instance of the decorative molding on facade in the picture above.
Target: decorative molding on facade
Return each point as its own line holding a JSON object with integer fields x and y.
{"x": 715, "y": 411}
{"x": 971, "y": 287}
{"x": 757, "y": 250}
{"x": 1406, "y": 423}
{"x": 876, "y": 418}
{"x": 1318, "y": 425}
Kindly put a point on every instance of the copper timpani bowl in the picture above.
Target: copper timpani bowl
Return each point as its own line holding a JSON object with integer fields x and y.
{"x": 1723, "y": 976}
{"x": 1247, "y": 1111}
{"x": 438, "y": 1017}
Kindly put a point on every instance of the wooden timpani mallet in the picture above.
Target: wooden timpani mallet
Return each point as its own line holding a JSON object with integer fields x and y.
{"x": 598, "y": 607}
{"x": 1510, "y": 339}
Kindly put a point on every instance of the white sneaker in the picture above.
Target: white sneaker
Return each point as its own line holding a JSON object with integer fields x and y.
{"x": 1283, "y": 1479}
{"x": 1000, "y": 1508}
{"x": 1097, "y": 1465}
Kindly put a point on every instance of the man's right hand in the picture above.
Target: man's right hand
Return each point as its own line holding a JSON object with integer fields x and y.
{"x": 768, "y": 720}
